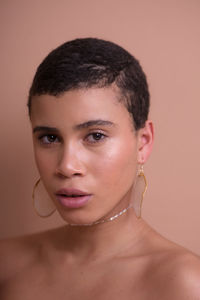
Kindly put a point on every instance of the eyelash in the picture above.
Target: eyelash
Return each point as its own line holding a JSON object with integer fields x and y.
{"x": 101, "y": 136}
{"x": 42, "y": 137}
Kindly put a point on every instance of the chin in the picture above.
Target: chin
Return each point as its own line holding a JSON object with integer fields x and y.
{"x": 78, "y": 217}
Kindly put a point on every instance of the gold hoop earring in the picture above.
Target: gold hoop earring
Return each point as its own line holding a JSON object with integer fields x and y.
{"x": 141, "y": 174}
{"x": 44, "y": 208}
{"x": 140, "y": 188}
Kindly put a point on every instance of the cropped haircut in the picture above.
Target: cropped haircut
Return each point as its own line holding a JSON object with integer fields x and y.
{"x": 92, "y": 62}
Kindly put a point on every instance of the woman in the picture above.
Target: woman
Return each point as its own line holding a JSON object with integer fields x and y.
{"x": 88, "y": 106}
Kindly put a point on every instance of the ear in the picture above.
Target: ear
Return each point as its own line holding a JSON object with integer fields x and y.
{"x": 145, "y": 141}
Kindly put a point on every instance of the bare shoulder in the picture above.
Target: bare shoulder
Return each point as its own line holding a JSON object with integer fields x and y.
{"x": 19, "y": 253}
{"x": 183, "y": 272}
{"x": 176, "y": 273}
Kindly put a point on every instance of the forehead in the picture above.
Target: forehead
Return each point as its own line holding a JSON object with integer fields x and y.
{"x": 80, "y": 105}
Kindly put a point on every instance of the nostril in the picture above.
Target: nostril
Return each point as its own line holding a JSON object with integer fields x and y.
{"x": 68, "y": 166}
{"x": 67, "y": 173}
{"x": 60, "y": 174}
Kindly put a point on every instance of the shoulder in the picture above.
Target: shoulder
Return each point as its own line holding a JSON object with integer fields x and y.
{"x": 177, "y": 275}
{"x": 184, "y": 277}
{"x": 172, "y": 272}
{"x": 16, "y": 254}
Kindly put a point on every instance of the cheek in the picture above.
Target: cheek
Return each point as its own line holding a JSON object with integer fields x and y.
{"x": 117, "y": 167}
{"x": 44, "y": 162}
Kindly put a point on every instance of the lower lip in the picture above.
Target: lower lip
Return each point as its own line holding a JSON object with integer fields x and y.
{"x": 73, "y": 202}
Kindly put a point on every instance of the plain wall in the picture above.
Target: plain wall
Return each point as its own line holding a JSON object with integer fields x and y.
{"x": 165, "y": 37}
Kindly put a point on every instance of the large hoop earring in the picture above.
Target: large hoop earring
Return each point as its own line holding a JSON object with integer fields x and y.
{"x": 43, "y": 207}
{"x": 140, "y": 189}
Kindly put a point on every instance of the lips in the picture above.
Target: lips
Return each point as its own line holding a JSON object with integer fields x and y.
{"x": 71, "y": 192}
{"x": 72, "y": 198}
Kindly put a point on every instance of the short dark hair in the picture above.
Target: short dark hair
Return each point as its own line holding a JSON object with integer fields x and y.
{"x": 92, "y": 62}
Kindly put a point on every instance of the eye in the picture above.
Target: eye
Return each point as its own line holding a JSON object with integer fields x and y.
{"x": 48, "y": 139}
{"x": 95, "y": 137}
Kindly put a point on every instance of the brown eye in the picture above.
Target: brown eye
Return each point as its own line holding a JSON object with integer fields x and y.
{"x": 48, "y": 139}
{"x": 95, "y": 137}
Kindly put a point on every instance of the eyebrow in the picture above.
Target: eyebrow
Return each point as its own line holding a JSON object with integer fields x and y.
{"x": 76, "y": 127}
{"x": 94, "y": 123}
{"x": 44, "y": 128}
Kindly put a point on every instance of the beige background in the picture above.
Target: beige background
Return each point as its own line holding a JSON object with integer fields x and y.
{"x": 165, "y": 36}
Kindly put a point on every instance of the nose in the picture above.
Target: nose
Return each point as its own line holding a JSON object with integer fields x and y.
{"x": 69, "y": 162}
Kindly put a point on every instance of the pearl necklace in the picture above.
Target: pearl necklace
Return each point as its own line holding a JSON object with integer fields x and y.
{"x": 105, "y": 220}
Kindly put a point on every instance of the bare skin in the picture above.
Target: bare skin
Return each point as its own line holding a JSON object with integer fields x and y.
{"x": 133, "y": 264}
{"x": 122, "y": 259}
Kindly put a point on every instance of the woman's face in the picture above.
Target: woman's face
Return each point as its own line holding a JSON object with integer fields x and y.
{"x": 84, "y": 140}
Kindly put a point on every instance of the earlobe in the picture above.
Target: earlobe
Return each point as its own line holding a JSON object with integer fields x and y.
{"x": 145, "y": 141}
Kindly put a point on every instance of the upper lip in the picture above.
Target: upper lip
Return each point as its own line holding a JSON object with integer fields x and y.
{"x": 70, "y": 192}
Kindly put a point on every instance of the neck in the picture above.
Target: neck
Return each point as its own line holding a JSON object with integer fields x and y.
{"x": 103, "y": 239}
{"x": 110, "y": 219}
